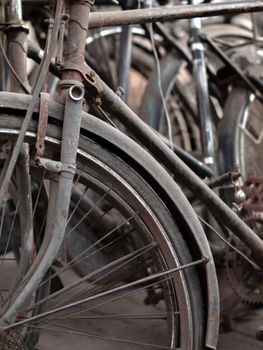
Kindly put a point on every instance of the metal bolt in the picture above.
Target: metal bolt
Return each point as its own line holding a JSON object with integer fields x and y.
{"x": 98, "y": 101}
{"x": 120, "y": 91}
{"x": 92, "y": 73}
{"x": 65, "y": 17}
{"x": 240, "y": 196}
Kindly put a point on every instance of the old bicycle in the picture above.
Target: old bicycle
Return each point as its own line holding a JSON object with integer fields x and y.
{"x": 114, "y": 201}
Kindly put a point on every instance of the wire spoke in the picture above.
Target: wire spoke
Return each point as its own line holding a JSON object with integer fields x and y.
{"x": 95, "y": 285}
{"x": 108, "y": 292}
{"x": 76, "y": 259}
{"x": 89, "y": 211}
{"x": 77, "y": 205}
{"x": 120, "y": 263}
{"x": 66, "y": 330}
{"x": 81, "y": 309}
{"x": 145, "y": 316}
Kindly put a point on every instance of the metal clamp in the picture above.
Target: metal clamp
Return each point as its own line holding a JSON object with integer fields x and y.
{"x": 55, "y": 166}
{"x": 91, "y": 80}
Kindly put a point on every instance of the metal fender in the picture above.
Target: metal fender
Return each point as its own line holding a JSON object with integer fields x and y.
{"x": 164, "y": 186}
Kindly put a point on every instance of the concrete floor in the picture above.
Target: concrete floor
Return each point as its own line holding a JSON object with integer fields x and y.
{"x": 242, "y": 336}
{"x": 244, "y": 326}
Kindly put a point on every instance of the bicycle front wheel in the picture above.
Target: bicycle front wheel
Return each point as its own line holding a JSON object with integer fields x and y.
{"x": 108, "y": 286}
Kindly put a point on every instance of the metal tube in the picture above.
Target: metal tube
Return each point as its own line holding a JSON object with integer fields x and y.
{"x": 17, "y": 47}
{"x": 17, "y": 53}
{"x": 125, "y": 60}
{"x": 15, "y": 8}
{"x": 202, "y": 93}
{"x": 56, "y": 228}
{"x": 36, "y": 90}
{"x": 161, "y": 14}
{"x": 182, "y": 174}
{"x": 196, "y": 165}
{"x": 25, "y": 211}
{"x": 57, "y": 219}
{"x": 77, "y": 34}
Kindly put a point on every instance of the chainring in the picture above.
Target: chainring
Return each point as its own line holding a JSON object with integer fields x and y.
{"x": 253, "y": 189}
{"x": 245, "y": 281}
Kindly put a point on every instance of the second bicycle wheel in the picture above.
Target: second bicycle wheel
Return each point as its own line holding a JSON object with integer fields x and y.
{"x": 241, "y": 144}
{"x": 100, "y": 291}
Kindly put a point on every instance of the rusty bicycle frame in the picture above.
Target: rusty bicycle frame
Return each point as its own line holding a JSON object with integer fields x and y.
{"x": 77, "y": 81}
{"x": 110, "y": 102}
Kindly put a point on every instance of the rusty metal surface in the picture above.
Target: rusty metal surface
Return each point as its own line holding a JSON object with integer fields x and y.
{"x": 22, "y": 294}
{"x": 114, "y": 18}
{"x": 223, "y": 179}
{"x": 42, "y": 123}
{"x": 25, "y": 210}
{"x": 245, "y": 281}
{"x": 76, "y": 42}
{"x": 253, "y": 189}
{"x": 35, "y": 91}
{"x": 58, "y": 214}
{"x": 115, "y": 106}
{"x": 16, "y": 34}
{"x": 166, "y": 188}
{"x": 76, "y": 70}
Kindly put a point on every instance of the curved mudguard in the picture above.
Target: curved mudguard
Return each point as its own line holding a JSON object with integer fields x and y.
{"x": 164, "y": 185}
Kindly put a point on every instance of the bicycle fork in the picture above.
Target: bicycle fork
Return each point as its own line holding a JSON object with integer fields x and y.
{"x": 64, "y": 170}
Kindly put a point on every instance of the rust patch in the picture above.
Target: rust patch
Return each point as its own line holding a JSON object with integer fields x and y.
{"x": 42, "y": 123}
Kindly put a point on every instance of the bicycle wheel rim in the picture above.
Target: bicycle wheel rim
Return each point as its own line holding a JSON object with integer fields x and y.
{"x": 241, "y": 136}
{"x": 169, "y": 254}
